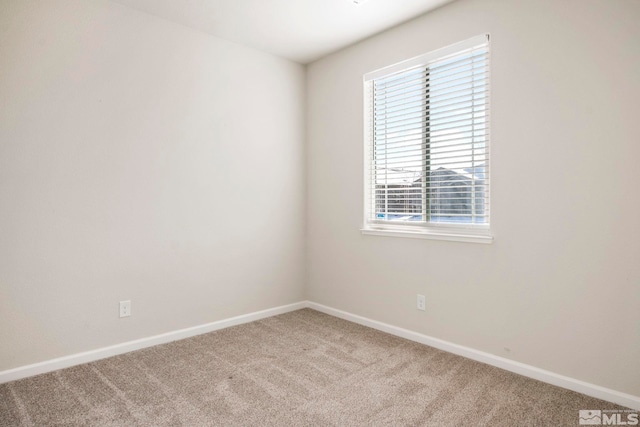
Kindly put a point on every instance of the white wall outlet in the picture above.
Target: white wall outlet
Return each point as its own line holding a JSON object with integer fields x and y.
{"x": 125, "y": 308}
{"x": 421, "y": 303}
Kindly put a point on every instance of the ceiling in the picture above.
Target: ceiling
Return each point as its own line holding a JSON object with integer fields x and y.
{"x": 300, "y": 30}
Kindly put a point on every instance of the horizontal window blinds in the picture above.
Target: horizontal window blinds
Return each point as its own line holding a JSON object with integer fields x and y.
{"x": 428, "y": 138}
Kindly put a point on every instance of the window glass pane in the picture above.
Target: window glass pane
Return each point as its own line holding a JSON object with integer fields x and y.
{"x": 398, "y": 146}
{"x": 457, "y": 119}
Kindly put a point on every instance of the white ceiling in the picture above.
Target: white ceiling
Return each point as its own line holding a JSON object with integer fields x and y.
{"x": 300, "y": 30}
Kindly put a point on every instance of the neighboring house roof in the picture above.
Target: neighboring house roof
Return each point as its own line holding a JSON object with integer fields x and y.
{"x": 408, "y": 177}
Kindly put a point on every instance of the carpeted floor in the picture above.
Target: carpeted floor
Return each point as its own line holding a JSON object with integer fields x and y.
{"x": 299, "y": 369}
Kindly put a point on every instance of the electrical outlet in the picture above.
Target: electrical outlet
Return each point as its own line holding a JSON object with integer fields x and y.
{"x": 125, "y": 308}
{"x": 421, "y": 303}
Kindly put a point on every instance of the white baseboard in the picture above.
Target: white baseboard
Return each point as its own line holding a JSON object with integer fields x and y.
{"x": 114, "y": 350}
{"x": 592, "y": 390}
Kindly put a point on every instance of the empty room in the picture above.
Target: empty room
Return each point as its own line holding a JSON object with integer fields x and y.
{"x": 319, "y": 212}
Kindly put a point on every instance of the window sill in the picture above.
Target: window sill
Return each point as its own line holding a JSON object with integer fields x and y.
{"x": 429, "y": 234}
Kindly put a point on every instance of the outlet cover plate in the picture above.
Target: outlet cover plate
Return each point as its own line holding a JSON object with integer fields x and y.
{"x": 125, "y": 308}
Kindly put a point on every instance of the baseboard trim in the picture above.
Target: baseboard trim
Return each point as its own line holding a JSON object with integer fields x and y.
{"x": 592, "y": 390}
{"x": 114, "y": 350}
{"x": 589, "y": 389}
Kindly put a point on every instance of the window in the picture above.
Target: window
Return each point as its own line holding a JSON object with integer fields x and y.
{"x": 427, "y": 145}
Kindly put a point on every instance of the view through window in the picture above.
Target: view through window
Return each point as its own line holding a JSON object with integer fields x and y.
{"x": 429, "y": 152}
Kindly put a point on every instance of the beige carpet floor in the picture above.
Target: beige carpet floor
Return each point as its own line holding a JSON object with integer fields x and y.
{"x": 298, "y": 369}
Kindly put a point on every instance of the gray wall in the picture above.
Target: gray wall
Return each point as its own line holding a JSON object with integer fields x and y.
{"x": 140, "y": 160}
{"x": 560, "y": 286}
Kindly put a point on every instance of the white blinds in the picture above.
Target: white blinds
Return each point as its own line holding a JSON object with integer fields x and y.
{"x": 428, "y": 138}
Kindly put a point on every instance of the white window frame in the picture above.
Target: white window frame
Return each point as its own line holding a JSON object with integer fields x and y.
{"x": 473, "y": 233}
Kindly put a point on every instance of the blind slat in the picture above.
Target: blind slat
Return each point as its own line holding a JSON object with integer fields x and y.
{"x": 433, "y": 140}
{"x": 433, "y": 149}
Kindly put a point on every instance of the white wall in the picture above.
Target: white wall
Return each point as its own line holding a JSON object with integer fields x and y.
{"x": 140, "y": 160}
{"x": 560, "y": 287}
